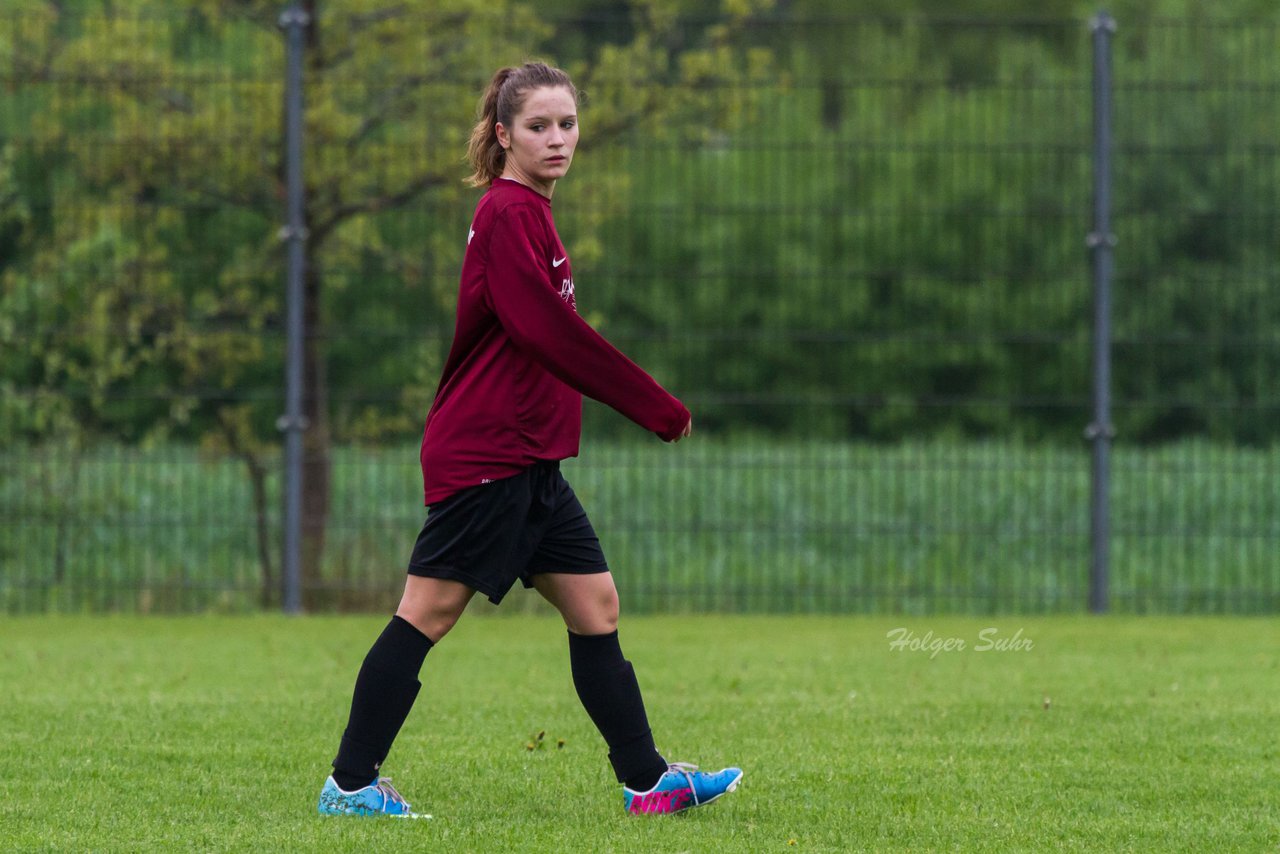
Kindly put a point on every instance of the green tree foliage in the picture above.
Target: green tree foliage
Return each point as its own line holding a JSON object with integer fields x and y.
{"x": 1196, "y": 185}
{"x": 886, "y": 260}
{"x": 803, "y": 222}
{"x": 889, "y": 219}
{"x": 143, "y": 157}
{"x": 898, "y": 249}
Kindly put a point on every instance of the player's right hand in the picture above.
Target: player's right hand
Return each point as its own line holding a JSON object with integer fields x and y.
{"x": 686, "y": 432}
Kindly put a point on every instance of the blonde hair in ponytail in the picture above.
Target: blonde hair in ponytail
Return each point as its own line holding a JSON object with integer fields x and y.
{"x": 501, "y": 102}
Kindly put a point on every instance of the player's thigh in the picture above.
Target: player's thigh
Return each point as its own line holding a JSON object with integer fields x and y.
{"x": 588, "y": 602}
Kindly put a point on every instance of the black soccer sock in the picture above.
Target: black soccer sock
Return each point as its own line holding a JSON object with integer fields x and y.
{"x": 385, "y": 690}
{"x": 607, "y": 686}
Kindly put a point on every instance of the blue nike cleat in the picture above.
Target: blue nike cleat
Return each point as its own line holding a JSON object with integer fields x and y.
{"x": 682, "y": 787}
{"x": 376, "y": 799}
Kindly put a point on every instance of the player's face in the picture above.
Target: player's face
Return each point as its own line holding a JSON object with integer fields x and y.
{"x": 540, "y": 141}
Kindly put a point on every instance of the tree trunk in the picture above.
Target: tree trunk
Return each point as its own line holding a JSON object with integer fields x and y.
{"x": 62, "y": 494}
{"x": 270, "y": 593}
{"x": 315, "y": 446}
{"x": 238, "y": 435}
{"x": 315, "y": 392}
{"x": 832, "y": 103}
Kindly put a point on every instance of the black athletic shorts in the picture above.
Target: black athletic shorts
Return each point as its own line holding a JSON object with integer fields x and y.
{"x": 489, "y": 535}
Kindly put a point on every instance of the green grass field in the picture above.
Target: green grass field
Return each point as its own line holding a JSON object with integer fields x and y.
{"x": 707, "y": 525}
{"x": 213, "y": 733}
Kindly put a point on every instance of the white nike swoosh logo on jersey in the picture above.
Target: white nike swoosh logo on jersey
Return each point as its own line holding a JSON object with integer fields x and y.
{"x": 555, "y": 263}
{"x": 470, "y": 234}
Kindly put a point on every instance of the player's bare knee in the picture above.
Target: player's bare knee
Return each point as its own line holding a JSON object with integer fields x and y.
{"x": 437, "y": 630}
{"x": 435, "y": 623}
{"x": 600, "y": 618}
{"x": 609, "y": 610}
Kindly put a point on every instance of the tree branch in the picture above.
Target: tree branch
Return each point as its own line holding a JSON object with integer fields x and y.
{"x": 383, "y": 106}
{"x": 258, "y": 204}
{"x": 358, "y": 22}
{"x": 372, "y": 205}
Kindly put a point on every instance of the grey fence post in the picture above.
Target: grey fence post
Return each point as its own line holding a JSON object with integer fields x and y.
{"x": 1101, "y": 242}
{"x": 294, "y": 22}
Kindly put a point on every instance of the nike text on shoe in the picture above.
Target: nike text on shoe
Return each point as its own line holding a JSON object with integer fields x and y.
{"x": 682, "y": 787}
{"x": 376, "y": 799}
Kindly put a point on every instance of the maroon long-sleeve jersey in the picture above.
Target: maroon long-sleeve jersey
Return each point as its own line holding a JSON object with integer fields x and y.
{"x": 511, "y": 391}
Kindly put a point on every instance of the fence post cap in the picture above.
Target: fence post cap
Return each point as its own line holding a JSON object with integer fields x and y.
{"x": 1102, "y": 21}
{"x": 294, "y": 16}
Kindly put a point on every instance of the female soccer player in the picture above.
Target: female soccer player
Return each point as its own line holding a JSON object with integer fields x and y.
{"x": 507, "y": 410}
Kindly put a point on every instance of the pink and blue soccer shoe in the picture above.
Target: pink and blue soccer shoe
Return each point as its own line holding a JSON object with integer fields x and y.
{"x": 682, "y": 787}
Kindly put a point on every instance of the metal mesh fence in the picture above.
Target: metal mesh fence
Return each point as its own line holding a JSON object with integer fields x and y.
{"x": 1196, "y": 340}
{"x": 854, "y": 247}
